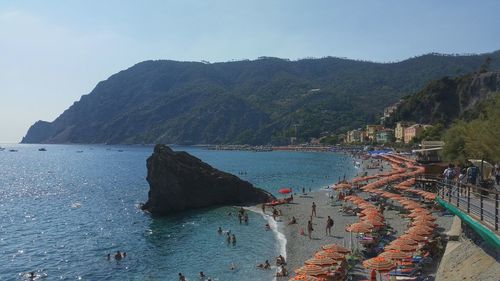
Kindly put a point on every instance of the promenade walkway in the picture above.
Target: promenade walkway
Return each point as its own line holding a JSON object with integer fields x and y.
{"x": 479, "y": 203}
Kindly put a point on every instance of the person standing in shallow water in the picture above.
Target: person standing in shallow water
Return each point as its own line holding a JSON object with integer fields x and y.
{"x": 181, "y": 277}
{"x": 313, "y": 211}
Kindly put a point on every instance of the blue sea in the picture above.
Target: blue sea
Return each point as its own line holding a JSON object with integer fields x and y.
{"x": 63, "y": 210}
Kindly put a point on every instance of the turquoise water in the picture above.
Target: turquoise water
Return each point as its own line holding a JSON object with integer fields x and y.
{"x": 62, "y": 211}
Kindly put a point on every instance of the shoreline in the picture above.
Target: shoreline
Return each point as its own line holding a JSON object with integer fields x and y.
{"x": 299, "y": 247}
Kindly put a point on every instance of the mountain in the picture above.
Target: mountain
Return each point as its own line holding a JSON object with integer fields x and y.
{"x": 448, "y": 99}
{"x": 267, "y": 100}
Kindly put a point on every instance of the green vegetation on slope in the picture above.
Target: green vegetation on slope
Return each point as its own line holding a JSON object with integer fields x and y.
{"x": 264, "y": 101}
{"x": 478, "y": 138}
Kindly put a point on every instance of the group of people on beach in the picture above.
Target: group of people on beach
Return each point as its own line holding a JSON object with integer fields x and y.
{"x": 310, "y": 228}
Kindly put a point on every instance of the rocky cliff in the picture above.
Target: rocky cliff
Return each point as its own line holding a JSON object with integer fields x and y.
{"x": 179, "y": 181}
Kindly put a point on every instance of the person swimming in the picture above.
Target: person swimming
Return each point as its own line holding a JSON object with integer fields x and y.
{"x": 219, "y": 230}
{"x": 265, "y": 265}
{"x": 118, "y": 255}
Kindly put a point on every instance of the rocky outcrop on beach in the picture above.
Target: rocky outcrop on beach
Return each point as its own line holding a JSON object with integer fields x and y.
{"x": 179, "y": 181}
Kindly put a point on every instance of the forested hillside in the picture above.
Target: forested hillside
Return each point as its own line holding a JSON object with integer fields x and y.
{"x": 448, "y": 99}
{"x": 263, "y": 101}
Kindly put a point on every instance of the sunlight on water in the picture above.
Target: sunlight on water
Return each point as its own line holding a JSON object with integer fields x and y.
{"x": 62, "y": 212}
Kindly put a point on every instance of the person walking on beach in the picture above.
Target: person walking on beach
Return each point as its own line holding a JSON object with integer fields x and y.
{"x": 313, "y": 211}
{"x": 309, "y": 229}
{"x": 329, "y": 225}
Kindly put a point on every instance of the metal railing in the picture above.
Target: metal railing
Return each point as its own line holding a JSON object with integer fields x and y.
{"x": 478, "y": 202}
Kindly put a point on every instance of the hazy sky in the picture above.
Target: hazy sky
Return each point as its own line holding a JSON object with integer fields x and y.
{"x": 52, "y": 52}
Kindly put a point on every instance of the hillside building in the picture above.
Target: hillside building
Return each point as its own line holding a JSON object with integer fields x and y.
{"x": 371, "y": 131}
{"x": 355, "y": 136}
{"x": 399, "y": 131}
{"x": 414, "y": 131}
{"x": 385, "y": 136}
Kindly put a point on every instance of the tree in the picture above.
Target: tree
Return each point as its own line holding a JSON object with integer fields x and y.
{"x": 478, "y": 138}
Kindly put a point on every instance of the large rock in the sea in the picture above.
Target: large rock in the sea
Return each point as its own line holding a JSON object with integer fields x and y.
{"x": 179, "y": 181}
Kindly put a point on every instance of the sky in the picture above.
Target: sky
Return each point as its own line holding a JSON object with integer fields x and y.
{"x": 52, "y": 52}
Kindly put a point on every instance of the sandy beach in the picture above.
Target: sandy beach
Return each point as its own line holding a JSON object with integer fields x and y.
{"x": 300, "y": 248}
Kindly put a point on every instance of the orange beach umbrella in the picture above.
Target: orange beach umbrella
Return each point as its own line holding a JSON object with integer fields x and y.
{"x": 303, "y": 277}
{"x": 401, "y": 247}
{"x": 336, "y": 248}
{"x": 395, "y": 255}
{"x": 321, "y": 261}
{"x": 312, "y": 270}
{"x": 359, "y": 227}
{"x": 329, "y": 254}
{"x": 379, "y": 264}
{"x": 414, "y": 237}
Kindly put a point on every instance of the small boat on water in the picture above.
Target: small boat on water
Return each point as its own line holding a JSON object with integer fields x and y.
{"x": 42, "y": 149}
{"x": 13, "y": 150}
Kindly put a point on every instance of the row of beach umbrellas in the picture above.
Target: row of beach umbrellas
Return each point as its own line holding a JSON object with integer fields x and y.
{"x": 422, "y": 220}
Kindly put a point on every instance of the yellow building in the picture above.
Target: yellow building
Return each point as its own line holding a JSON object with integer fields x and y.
{"x": 399, "y": 131}
{"x": 414, "y": 131}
